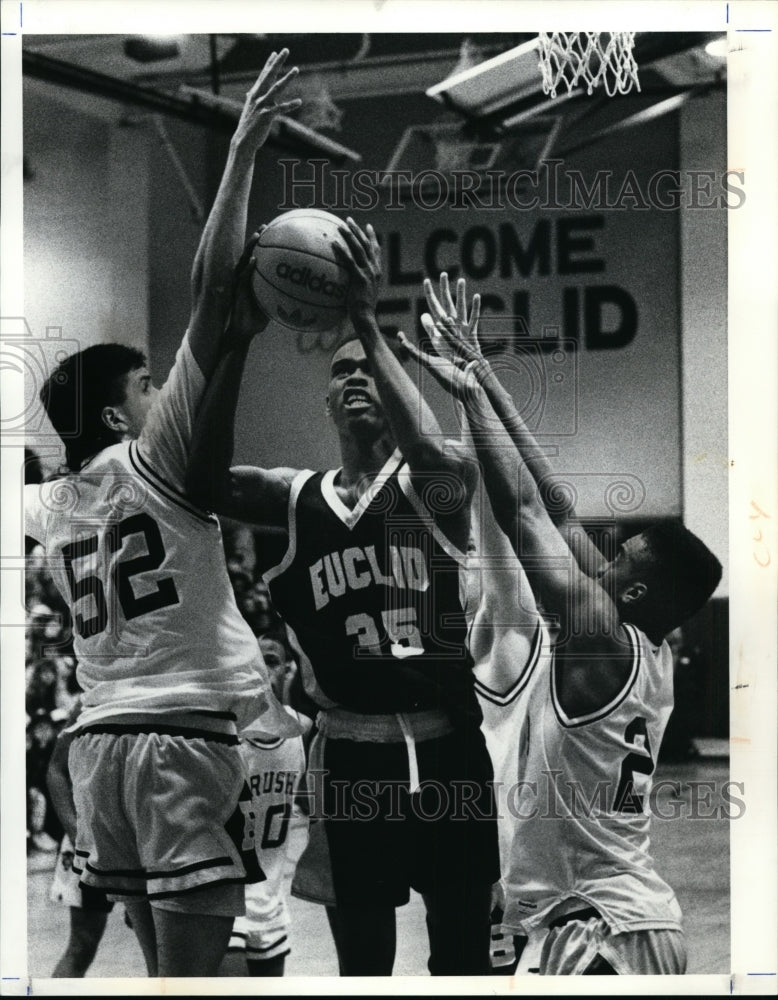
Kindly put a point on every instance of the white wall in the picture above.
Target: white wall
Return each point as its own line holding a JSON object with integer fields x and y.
{"x": 85, "y": 235}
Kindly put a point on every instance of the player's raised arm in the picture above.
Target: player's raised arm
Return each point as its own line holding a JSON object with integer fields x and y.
{"x": 252, "y": 495}
{"x": 412, "y": 422}
{"x": 449, "y": 324}
{"x": 165, "y": 439}
{"x": 594, "y": 660}
{"x": 224, "y": 234}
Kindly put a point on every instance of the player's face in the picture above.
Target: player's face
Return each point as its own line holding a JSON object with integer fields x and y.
{"x": 139, "y": 395}
{"x": 627, "y": 568}
{"x": 352, "y": 398}
{"x": 274, "y": 655}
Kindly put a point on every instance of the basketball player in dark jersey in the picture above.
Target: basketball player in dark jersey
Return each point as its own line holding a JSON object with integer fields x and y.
{"x": 369, "y": 582}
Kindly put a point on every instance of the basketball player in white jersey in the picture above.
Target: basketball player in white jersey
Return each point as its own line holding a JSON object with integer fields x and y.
{"x": 368, "y": 582}
{"x": 507, "y": 635}
{"x": 169, "y": 669}
{"x": 506, "y": 638}
{"x": 274, "y": 768}
{"x": 580, "y": 870}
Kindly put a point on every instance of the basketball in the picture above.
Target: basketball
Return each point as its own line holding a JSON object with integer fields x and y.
{"x": 297, "y": 280}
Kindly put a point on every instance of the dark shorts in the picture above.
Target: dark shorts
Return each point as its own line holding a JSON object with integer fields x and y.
{"x": 374, "y": 841}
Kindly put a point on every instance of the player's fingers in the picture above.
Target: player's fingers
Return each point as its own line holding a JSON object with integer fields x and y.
{"x": 435, "y": 307}
{"x": 343, "y": 255}
{"x": 447, "y": 328}
{"x": 358, "y": 232}
{"x": 274, "y": 65}
{"x": 375, "y": 246}
{"x": 280, "y": 84}
{"x": 284, "y": 107}
{"x": 440, "y": 345}
{"x": 461, "y": 304}
{"x": 406, "y": 345}
{"x": 445, "y": 294}
{"x": 475, "y": 315}
{"x": 354, "y": 244}
{"x": 267, "y": 71}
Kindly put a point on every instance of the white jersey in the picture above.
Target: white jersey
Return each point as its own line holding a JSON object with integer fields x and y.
{"x": 156, "y": 626}
{"x": 581, "y": 836}
{"x": 502, "y": 694}
{"x": 275, "y": 772}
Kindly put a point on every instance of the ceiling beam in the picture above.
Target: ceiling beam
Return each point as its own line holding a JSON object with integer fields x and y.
{"x": 217, "y": 115}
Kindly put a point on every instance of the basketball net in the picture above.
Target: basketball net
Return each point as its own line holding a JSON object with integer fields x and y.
{"x": 588, "y": 57}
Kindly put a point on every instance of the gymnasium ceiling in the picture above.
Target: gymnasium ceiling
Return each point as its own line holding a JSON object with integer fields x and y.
{"x": 116, "y": 76}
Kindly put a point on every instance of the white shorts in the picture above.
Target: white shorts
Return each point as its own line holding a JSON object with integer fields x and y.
{"x": 580, "y": 946}
{"x": 159, "y": 816}
{"x": 65, "y": 888}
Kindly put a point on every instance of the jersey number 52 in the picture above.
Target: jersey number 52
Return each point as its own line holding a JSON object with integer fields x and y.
{"x": 121, "y": 574}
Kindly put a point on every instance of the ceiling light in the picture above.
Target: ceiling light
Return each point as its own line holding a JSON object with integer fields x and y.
{"x": 718, "y": 47}
{"x": 151, "y": 48}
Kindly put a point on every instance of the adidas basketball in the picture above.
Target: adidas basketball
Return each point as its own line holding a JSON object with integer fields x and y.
{"x": 297, "y": 280}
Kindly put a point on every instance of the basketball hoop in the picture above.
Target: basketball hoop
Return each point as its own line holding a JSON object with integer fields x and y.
{"x": 589, "y": 57}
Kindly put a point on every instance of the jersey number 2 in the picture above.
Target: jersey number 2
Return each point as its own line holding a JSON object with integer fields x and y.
{"x": 627, "y": 799}
{"x": 132, "y": 606}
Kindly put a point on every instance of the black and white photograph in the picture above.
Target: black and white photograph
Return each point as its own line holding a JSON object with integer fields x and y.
{"x": 389, "y": 436}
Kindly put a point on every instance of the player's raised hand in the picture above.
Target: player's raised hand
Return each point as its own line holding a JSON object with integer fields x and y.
{"x": 453, "y": 331}
{"x": 361, "y": 256}
{"x": 261, "y": 107}
{"x": 456, "y": 378}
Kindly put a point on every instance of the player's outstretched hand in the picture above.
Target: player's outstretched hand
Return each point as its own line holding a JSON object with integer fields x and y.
{"x": 361, "y": 256}
{"x": 457, "y": 378}
{"x": 452, "y": 330}
{"x": 246, "y": 318}
{"x": 261, "y": 107}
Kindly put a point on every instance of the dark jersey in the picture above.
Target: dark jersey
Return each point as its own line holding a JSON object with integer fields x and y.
{"x": 372, "y": 599}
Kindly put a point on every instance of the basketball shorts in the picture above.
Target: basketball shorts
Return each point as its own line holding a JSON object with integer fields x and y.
{"x": 373, "y": 839}
{"x": 163, "y": 817}
{"x": 589, "y": 947}
{"x": 65, "y": 888}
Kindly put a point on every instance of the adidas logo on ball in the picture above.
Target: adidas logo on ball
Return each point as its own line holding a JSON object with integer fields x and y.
{"x": 314, "y": 282}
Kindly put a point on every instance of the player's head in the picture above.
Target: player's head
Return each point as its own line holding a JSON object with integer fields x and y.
{"x": 97, "y": 397}
{"x": 662, "y": 577}
{"x": 280, "y": 665}
{"x": 352, "y": 399}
